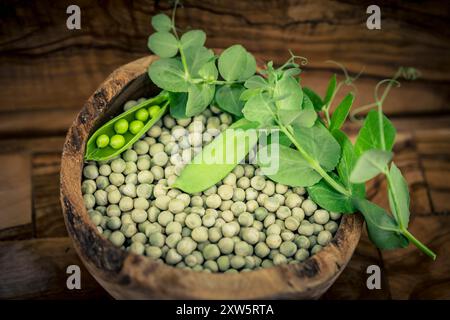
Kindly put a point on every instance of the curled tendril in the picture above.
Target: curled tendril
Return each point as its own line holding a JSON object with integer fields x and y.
{"x": 379, "y": 84}
{"x": 348, "y": 80}
{"x": 409, "y": 73}
{"x": 303, "y": 60}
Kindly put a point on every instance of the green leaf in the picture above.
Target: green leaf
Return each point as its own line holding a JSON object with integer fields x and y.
{"x": 370, "y": 164}
{"x": 314, "y": 97}
{"x": 250, "y": 67}
{"x": 401, "y": 192}
{"x": 168, "y": 74}
{"x": 218, "y": 158}
{"x": 289, "y": 107}
{"x": 163, "y": 44}
{"x": 341, "y": 112}
{"x": 286, "y": 166}
{"x": 209, "y": 71}
{"x": 282, "y": 139}
{"x": 308, "y": 116}
{"x": 255, "y": 82}
{"x": 292, "y": 72}
{"x": 193, "y": 38}
{"x": 161, "y": 22}
{"x": 247, "y": 94}
{"x": 259, "y": 108}
{"x": 318, "y": 142}
{"x": 199, "y": 97}
{"x": 383, "y": 230}
{"x": 196, "y": 58}
{"x": 348, "y": 158}
{"x": 178, "y": 102}
{"x": 330, "y": 90}
{"x": 369, "y": 136}
{"x": 233, "y": 62}
{"x": 227, "y": 98}
{"x": 328, "y": 198}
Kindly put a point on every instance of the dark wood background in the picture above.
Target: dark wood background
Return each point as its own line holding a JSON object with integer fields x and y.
{"x": 48, "y": 71}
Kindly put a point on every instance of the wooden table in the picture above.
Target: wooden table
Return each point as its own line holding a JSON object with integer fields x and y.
{"x": 47, "y": 72}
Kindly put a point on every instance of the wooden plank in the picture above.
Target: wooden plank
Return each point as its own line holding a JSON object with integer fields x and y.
{"x": 32, "y": 144}
{"x": 15, "y": 190}
{"x": 49, "y": 221}
{"x": 36, "y": 269}
{"x": 351, "y": 284}
{"x": 40, "y": 56}
{"x": 434, "y": 149}
{"x": 411, "y": 274}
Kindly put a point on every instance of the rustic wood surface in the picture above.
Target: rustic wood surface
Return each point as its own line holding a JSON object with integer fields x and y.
{"x": 47, "y": 72}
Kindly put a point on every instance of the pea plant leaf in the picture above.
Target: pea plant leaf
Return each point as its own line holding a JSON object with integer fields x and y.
{"x": 260, "y": 108}
{"x": 247, "y": 94}
{"x": 196, "y": 58}
{"x": 370, "y": 164}
{"x": 330, "y": 90}
{"x": 163, "y": 44}
{"x": 341, "y": 112}
{"x": 382, "y": 229}
{"x": 209, "y": 71}
{"x": 286, "y": 166}
{"x": 178, "y": 102}
{"x": 161, "y": 22}
{"x": 318, "y": 142}
{"x": 250, "y": 67}
{"x": 193, "y": 38}
{"x": 307, "y": 116}
{"x": 327, "y": 197}
{"x": 255, "y": 82}
{"x": 233, "y": 62}
{"x": 347, "y": 161}
{"x": 290, "y": 106}
{"x": 218, "y": 158}
{"x": 399, "y": 191}
{"x": 227, "y": 98}
{"x": 369, "y": 136}
{"x": 168, "y": 74}
{"x": 314, "y": 97}
{"x": 199, "y": 97}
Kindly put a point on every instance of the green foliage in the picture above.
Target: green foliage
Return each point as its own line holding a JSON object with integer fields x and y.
{"x": 313, "y": 152}
{"x": 370, "y": 164}
{"x": 227, "y": 98}
{"x": 369, "y": 136}
{"x": 320, "y": 144}
{"x": 341, "y": 112}
{"x": 293, "y": 169}
{"x": 382, "y": 228}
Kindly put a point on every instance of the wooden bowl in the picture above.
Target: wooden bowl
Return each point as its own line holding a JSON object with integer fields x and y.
{"x": 129, "y": 276}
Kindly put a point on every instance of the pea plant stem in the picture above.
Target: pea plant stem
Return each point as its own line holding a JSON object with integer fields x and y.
{"x": 316, "y": 166}
{"x": 419, "y": 244}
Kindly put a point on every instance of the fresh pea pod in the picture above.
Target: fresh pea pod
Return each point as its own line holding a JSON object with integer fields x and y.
{"x": 218, "y": 158}
{"x": 93, "y": 152}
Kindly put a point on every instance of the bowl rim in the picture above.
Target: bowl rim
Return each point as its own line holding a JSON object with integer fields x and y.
{"x": 116, "y": 268}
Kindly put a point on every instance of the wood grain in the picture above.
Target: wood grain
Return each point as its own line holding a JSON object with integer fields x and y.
{"x": 15, "y": 190}
{"x": 411, "y": 274}
{"x": 57, "y": 68}
{"x": 36, "y": 269}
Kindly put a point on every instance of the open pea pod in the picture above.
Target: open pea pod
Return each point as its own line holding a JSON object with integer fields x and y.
{"x": 218, "y": 158}
{"x": 107, "y": 153}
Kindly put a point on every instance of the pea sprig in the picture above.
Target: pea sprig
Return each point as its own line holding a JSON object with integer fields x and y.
{"x": 313, "y": 151}
{"x": 193, "y": 74}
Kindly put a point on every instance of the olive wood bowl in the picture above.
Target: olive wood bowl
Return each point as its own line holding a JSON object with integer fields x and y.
{"x": 129, "y": 276}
